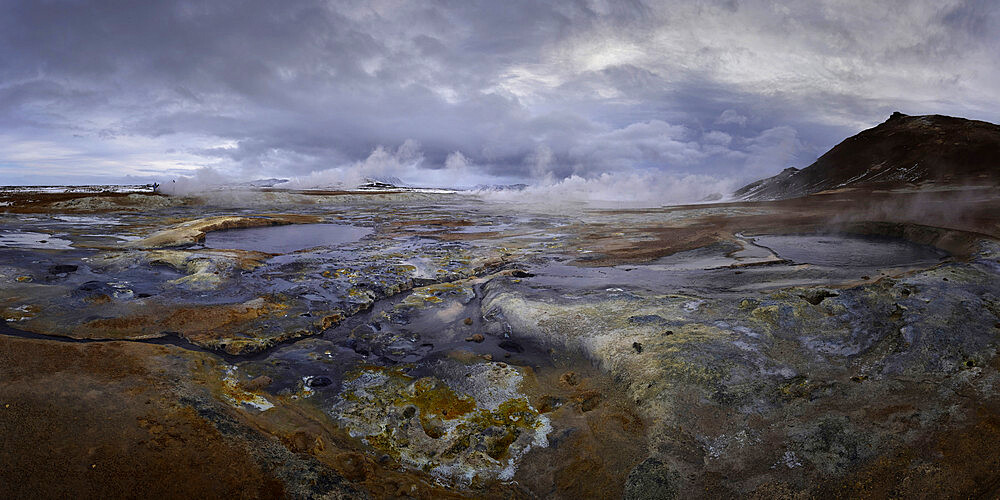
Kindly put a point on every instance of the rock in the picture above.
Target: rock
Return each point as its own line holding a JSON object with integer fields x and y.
{"x": 652, "y": 480}
{"x": 477, "y": 338}
{"x": 303, "y": 441}
{"x": 637, "y": 346}
{"x": 467, "y": 321}
{"x": 817, "y": 295}
{"x": 587, "y": 400}
{"x": 132, "y": 203}
{"x": 92, "y": 290}
{"x": 570, "y": 378}
{"x": 256, "y": 384}
{"x": 549, "y": 403}
{"x": 461, "y": 427}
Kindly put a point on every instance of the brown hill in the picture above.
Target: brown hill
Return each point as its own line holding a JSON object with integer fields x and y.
{"x": 902, "y": 151}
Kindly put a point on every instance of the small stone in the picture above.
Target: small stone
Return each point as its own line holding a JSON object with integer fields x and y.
{"x": 549, "y": 403}
{"x": 303, "y": 441}
{"x": 668, "y": 332}
{"x": 23, "y": 279}
{"x": 488, "y": 357}
{"x": 587, "y": 400}
{"x": 256, "y": 384}
{"x": 815, "y": 297}
{"x": 477, "y": 338}
{"x": 467, "y": 321}
{"x": 570, "y": 378}
{"x": 637, "y": 346}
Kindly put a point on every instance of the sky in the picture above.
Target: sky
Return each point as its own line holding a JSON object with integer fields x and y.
{"x": 664, "y": 95}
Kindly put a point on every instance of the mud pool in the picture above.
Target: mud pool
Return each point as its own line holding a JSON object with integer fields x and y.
{"x": 29, "y": 239}
{"x": 284, "y": 239}
{"x": 838, "y": 250}
{"x": 750, "y": 263}
{"x": 447, "y": 345}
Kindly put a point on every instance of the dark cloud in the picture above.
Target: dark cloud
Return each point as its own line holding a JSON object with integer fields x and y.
{"x": 735, "y": 89}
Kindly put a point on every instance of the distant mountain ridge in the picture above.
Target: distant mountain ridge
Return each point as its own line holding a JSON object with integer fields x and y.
{"x": 904, "y": 150}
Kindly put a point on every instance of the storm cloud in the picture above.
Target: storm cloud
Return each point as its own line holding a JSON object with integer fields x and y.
{"x": 462, "y": 93}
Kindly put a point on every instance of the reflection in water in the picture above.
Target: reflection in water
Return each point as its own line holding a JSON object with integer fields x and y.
{"x": 841, "y": 250}
{"x": 283, "y": 239}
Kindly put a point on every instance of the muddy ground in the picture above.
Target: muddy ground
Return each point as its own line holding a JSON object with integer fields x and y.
{"x": 838, "y": 345}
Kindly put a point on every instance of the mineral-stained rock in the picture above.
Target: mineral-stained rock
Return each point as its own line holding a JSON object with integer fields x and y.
{"x": 779, "y": 361}
{"x": 256, "y": 384}
{"x": 461, "y": 429}
{"x": 133, "y": 202}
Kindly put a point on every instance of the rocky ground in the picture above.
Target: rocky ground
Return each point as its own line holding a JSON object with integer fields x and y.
{"x": 841, "y": 344}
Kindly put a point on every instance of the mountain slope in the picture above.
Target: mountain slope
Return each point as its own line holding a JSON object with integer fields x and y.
{"x": 904, "y": 150}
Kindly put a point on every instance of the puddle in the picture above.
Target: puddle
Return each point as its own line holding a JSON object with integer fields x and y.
{"x": 840, "y": 250}
{"x": 758, "y": 263}
{"x": 284, "y": 239}
{"x": 87, "y": 221}
{"x": 29, "y": 239}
